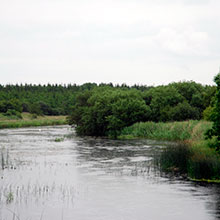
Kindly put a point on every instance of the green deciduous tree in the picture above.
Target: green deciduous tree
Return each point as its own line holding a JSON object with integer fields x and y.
{"x": 105, "y": 111}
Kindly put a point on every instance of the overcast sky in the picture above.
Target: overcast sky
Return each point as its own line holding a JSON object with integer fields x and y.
{"x": 147, "y": 42}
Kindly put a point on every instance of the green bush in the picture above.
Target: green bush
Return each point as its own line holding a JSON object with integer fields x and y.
{"x": 207, "y": 113}
{"x": 105, "y": 111}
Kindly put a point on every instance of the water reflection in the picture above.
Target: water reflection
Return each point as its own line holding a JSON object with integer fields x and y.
{"x": 93, "y": 178}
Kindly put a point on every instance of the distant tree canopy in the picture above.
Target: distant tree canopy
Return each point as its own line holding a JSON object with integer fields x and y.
{"x": 40, "y": 99}
{"x": 110, "y": 107}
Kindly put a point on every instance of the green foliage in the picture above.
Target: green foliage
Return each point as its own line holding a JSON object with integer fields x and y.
{"x": 184, "y": 111}
{"x": 214, "y": 132}
{"x": 176, "y": 101}
{"x": 13, "y": 114}
{"x": 189, "y": 90}
{"x": 12, "y": 104}
{"x": 105, "y": 111}
{"x": 207, "y": 113}
{"x": 40, "y": 99}
{"x": 161, "y": 99}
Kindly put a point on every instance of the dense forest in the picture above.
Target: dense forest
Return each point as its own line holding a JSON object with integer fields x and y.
{"x": 104, "y": 108}
{"x": 39, "y": 99}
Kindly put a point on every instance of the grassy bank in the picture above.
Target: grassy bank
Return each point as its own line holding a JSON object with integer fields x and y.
{"x": 29, "y": 120}
{"x": 171, "y": 131}
{"x": 192, "y": 155}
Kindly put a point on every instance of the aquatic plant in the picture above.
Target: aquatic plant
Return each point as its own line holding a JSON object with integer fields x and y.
{"x": 9, "y": 197}
{"x": 59, "y": 139}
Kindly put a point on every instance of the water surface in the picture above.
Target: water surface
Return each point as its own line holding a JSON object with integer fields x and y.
{"x": 49, "y": 173}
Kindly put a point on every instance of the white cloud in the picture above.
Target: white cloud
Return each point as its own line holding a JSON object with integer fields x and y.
{"x": 133, "y": 40}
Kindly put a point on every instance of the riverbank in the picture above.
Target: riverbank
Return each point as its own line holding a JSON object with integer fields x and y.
{"x": 29, "y": 120}
{"x": 192, "y": 155}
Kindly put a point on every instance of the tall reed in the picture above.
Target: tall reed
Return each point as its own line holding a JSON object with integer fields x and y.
{"x": 191, "y": 155}
{"x": 172, "y": 131}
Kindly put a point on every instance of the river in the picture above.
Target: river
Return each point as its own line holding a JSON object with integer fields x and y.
{"x": 48, "y": 173}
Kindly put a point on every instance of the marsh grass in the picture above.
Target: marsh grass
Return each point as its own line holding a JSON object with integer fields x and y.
{"x": 197, "y": 160}
{"x": 205, "y": 162}
{"x": 175, "y": 158}
{"x": 192, "y": 155}
{"x": 28, "y": 120}
{"x": 172, "y": 131}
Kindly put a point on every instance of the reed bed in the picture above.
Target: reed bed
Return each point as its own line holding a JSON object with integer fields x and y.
{"x": 172, "y": 131}
{"x": 191, "y": 155}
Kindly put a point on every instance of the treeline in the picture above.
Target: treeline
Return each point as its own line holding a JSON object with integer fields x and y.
{"x": 39, "y": 99}
{"x": 106, "y": 110}
{"x": 50, "y": 99}
{"x": 174, "y": 102}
